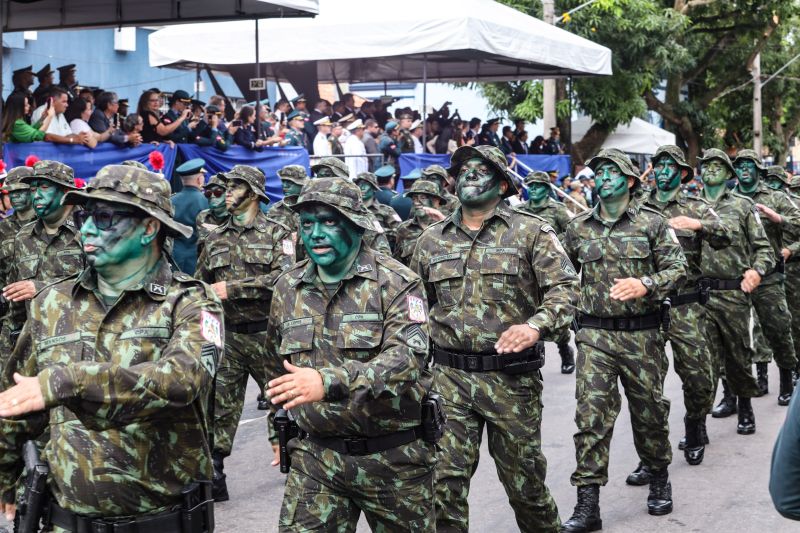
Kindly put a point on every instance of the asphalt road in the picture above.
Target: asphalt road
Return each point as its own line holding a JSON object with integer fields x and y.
{"x": 726, "y": 493}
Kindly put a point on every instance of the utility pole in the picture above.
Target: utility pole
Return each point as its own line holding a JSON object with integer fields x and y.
{"x": 756, "y": 72}
{"x": 549, "y": 85}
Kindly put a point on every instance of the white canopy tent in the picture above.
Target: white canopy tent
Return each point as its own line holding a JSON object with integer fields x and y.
{"x": 375, "y": 41}
{"x": 638, "y": 137}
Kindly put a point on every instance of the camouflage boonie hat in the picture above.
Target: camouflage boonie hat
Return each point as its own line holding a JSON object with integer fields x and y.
{"x": 537, "y": 176}
{"x": 128, "y": 185}
{"x": 715, "y": 153}
{"x": 250, "y": 175}
{"x": 14, "y": 177}
{"x": 58, "y": 173}
{"x": 370, "y": 178}
{"x": 217, "y": 180}
{"x": 341, "y": 194}
{"x": 617, "y": 157}
{"x": 677, "y": 154}
{"x": 794, "y": 182}
{"x": 294, "y": 173}
{"x": 490, "y": 154}
{"x": 434, "y": 170}
{"x": 137, "y": 164}
{"x": 777, "y": 171}
{"x": 752, "y": 155}
{"x": 338, "y": 166}
{"x": 425, "y": 187}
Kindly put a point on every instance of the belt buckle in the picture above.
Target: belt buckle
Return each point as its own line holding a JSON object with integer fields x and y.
{"x": 472, "y": 362}
{"x": 356, "y": 445}
{"x": 622, "y": 323}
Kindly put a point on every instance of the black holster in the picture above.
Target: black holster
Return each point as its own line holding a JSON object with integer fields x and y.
{"x": 32, "y": 506}
{"x": 666, "y": 320}
{"x": 287, "y": 429}
{"x": 434, "y": 419}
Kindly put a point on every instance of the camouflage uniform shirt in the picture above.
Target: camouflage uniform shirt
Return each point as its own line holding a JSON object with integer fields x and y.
{"x": 205, "y": 223}
{"x": 554, "y": 213}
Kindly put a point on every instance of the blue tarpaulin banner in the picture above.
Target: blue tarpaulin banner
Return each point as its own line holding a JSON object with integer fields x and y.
{"x": 86, "y": 161}
{"x": 269, "y": 161}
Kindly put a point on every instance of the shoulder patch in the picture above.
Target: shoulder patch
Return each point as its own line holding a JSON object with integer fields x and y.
{"x": 416, "y": 309}
{"x": 211, "y": 328}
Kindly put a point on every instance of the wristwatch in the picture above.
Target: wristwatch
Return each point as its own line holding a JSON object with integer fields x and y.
{"x": 533, "y": 326}
{"x": 648, "y": 283}
{"x": 760, "y": 272}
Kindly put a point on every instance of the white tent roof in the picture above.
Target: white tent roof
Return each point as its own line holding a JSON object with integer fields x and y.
{"x": 24, "y": 15}
{"x": 638, "y": 137}
{"x": 382, "y": 40}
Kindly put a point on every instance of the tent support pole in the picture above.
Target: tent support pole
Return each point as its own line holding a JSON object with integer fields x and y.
{"x": 197, "y": 82}
{"x": 424, "y": 100}
{"x": 258, "y": 93}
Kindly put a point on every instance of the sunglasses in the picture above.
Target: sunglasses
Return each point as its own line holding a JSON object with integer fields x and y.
{"x": 104, "y": 218}
{"x": 216, "y": 193}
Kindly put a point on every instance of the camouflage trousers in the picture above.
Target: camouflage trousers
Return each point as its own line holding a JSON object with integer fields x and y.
{"x": 511, "y": 409}
{"x": 244, "y": 357}
{"x": 326, "y": 490}
{"x": 769, "y": 302}
{"x": 792, "y": 286}
{"x": 728, "y": 336}
{"x": 638, "y": 360}
{"x": 692, "y": 359}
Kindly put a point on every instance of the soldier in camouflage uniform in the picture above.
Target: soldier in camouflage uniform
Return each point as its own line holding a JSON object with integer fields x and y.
{"x": 293, "y": 178}
{"x": 778, "y": 179}
{"x": 497, "y": 282}
{"x": 427, "y": 201}
{"x": 694, "y": 222}
{"x": 558, "y": 216}
{"x": 778, "y": 213}
{"x": 630, "y": 260}
{"x": 241, "y": 260}
{"x": 329, "y": 167}
{"x": 385, "y": 215}
{"x": 347, "y": 346}
{"x": 217, "y": 213}
{"x": 438, "y": 175}
{"x": 732, "y": 274}
{"x": 405, "y": 141}
{"x": 120, "y": 360}
{"x": 44, "y": 250}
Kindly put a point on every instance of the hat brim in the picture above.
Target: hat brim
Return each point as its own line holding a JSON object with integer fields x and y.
{"x": 11, "y": 187}
{"x": 337, "y": 173}
{"x": 28, "y": 179}
{"x": 728, "y": 164}
{"x": 468, "y": 152}
{"x": 173, "y": 228}
{"x": 408, "y": 194}
{"x": 689, "y": 177}
{"x": 256, "y": 190}
{"x": 359, "y": 219}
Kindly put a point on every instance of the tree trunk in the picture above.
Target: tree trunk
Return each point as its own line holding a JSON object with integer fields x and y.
{"x": 564, "y": 123}
{"x": 587, "y": 147}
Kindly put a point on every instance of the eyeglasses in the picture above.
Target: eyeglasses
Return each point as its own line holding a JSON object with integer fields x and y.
{"x": 216, "y": 193}
{"x": 104, "y": 218}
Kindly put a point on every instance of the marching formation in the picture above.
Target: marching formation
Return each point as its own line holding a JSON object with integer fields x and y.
{"x": 385, "y": 332}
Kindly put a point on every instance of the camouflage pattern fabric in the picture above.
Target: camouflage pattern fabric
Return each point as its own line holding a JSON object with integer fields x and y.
{"x": 512, "y": 271}
{"x": 792, "y": 282}
{"x": 119, "y": 385}
{"x": 9, "y": 227}
{"x": 407, "y": 234}
{"x": 205, "y": 223}
{"x": 554, "y": 213}
{"x": 692, "y": 358}
{"x": 386, "y": 217}
{"x": 369, "y": 341}
{"x": 638, "y": 244}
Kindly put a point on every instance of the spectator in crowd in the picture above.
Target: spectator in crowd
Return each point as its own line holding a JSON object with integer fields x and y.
{"x": 132, "y": 127}
{"x": 207, "y": 131}
{"x": 519, "y": 127}
{"x": 554, "y": 146}
{"x": 538, "y": 145}
{"x": 282, "y": 109}
{"x": 180, "y": 113}
{"x": 474, "y": 129}
{"x": 58, "y": 126}
{"x": 321, "y": 109}
{"x": 42, "y": 92}
{"x": 322, "y": 143}
{"x": 566, "y": 185}
{"x": 122, "y": 112}
{"x": 349, "y": 103}
{"x": 77, "y": 115}
{"x": 88, "y": 94}
{"x": 577, "y": 194}
{"x": 222, "y": 104}
{"x": 67, "y": 80}
{"x": 335, "y": 138}
{"x": 354, "y": 148}
{"x": 488, "y": 136}
{"x": 103, "y": 116}
{"x": 16, "y": 128}
{"x": 246, "y": 134}
{"x": 370, "y": 140}
{"x": 154, "y": 129}
{"x": 367, "y": 111}
{"x": 416, "y": 136}
{"x": 520, "y": 143}
{"x": 507, "y": 142}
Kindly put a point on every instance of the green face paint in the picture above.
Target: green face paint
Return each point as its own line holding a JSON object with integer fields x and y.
{"x": 47, "y": 197}
{"x": 714, "y": 172}
{"x": 538, "y": 192}
{"x": 216, "y": 204}
{"x": 437, "y": 179}
{"x": 121, "y": 244}
{"x": 477, "y": 184}
{"x": 367, "y": 192}
{"x": 325, "y": 172}
{"x": 331, "y": 241}
{"x": 667, "y": 173}
{"x": 421, "y": 201}
{"x": 773, "y": 183}
{"x": 747, "y": 173}
{"x": 291, "y": 188}
{"x": 610, "y": 183}
{"x": 21, "y": 200}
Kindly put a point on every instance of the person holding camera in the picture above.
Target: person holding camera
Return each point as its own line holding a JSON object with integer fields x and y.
{"x": 179, "y": 113}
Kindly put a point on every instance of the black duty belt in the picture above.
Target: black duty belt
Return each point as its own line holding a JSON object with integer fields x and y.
{"x": 162, "y": 523}
{"x": 368, "y": 445}
{"x": 621, "y": 323}
{"x": 715, "y": 284}
{"x": 247, "y": 327}
{"x": 685, "y": 298}
{"x": 510, "y": 363}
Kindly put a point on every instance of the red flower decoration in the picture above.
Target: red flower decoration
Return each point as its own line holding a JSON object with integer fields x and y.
{"x": 80, "y": 182}
{"x": 31, "y": 160}
{"x": 157, "y": 160}
{"x": 2, "y": 166}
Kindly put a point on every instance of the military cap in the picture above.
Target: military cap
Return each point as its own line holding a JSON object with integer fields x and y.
{"x": 250, "y": 175}
{"x": 753, "y": 156}
{"x": 386, "y": 171}
{"x": 294, "y": 173}
{"x": 198, "y": 102}
{"x": 405, "y": 115}
{"x": 714, "y": 153}
{"x": 617, "y": 157}
{"x": 182, "y": 96}
{"x": 210, "y": 108}
{"x": 491, "y": 155}
{"x": 369, "y": 177}
{"x": 24, "y": 69}
{"x": 217, "y": 180}
{"x": 135, "y": 187}
{"x": 123, "y": 101}
{"x": 425, "y": 187}
{"x": 391, "y": 125}
{"x": 13, "y": 181}
{"x": 294, "y": 114}
{"x": 66, "y": 68}
{"x": 492, "y": 121}
{"x": 435, "y": 170}
{"x": 299, "y": 98}
{"x": 137, "y": 164}
{"x": 537, "y": 176}
{"x": 191, "y": 167}
{"x": 340, "y": 194}
{"x": 58, "y": 173}
{"x": 44, "y": 71}
{"x": 415, "y": 174}
{"x": 358, "y": 124}
{"x": 677, "y": 154}
{"x": 324, "y": 121}
{"x": 777, "y": 171}
{"x": 338, "y": 166}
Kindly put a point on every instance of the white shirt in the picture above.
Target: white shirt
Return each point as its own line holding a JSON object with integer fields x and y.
{"x": 58, "y": 126}
{"x": 354, "y": 147}
{"x": 322, "y": 148}
{"x": 79, "y": 125}
{"x": 417, "y": 145}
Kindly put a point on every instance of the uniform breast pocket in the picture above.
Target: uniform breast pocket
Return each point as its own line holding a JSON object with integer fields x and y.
{"x": 359, "y": 340}
{"x": 590, "y": 254}
{"x": 690, "y": 241}
{"x": 27, "y": 268}
{"x": 219, "y": 260}
{"x": 447, "y": 278}
{"x": 297, "y": 336}
{"x": 68, "y": 262}
{"x": 635, "y": 258}
{"x": 258, "y": 258}
{"x": 141, "y": 344}
{"x": 498, "y": 274}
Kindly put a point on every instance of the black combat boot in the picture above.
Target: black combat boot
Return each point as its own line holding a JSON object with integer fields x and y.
{"x": 785, "y": 394}
{"x": 703, "y": 433}
{"x": 586, "y": 516}
{"x": 762, "y": 377}
{"x": 695, "y": 447}
{"x": 639, "y": 477}
{"x": 747, "y": 420}
{"x": 727, "y": 406}
{"x": 659, "y": 501}
{"x": 567, "y": 358}
{"x": 219, "y": 488}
